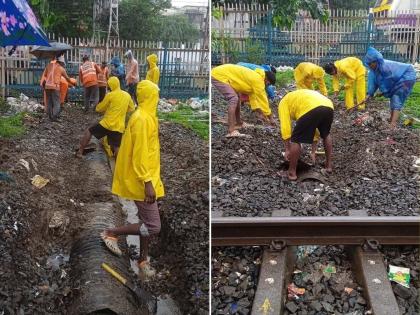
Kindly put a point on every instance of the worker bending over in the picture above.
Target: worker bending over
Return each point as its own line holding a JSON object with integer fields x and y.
{"x": 115, "y": 107}
{"x": 395, "y": 80}
{"x": 353, "y": 71}
{"x": 230, "y": 80}
{"x": 306, "y": 73}
{"x": 51, "y": 82}
{"x": 312, "y": 111}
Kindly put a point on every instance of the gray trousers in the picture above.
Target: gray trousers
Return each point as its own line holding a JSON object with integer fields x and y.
{"x": 91, "y": 97}
{"x": 53, "y": 104}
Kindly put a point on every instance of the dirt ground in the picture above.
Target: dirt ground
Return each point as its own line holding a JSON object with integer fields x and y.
{"x": 34, "y": 266}
{"x": 368, "y": 173}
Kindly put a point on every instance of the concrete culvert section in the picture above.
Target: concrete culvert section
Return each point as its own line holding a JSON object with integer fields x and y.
{"x": 96, "y": 291}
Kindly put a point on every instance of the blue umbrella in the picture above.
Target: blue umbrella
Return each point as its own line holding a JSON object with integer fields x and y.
{"x": 19, "y": 26}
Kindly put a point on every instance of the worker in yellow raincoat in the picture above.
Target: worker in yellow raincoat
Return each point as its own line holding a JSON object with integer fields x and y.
{"x": 115, "y": 106}
{"x": 137, "y": 175}
{"x": 153, "y": 72}
{"x": 353, "y": 71}
{"x": 312, "y": 112}
{"x": 306, "y": 73}
{"x": 231, "y": 80}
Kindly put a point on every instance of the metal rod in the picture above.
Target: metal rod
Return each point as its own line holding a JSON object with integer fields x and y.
{"x": 227, "y": 231}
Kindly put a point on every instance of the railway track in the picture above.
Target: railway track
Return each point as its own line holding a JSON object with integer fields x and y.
{"x": 362, "y": 236}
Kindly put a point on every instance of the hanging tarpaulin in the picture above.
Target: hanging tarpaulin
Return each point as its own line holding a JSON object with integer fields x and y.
{"x": 19, "y": 26}
{"x": 382, "y": 5}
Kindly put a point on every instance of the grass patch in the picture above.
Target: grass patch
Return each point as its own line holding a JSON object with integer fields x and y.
{"x": 12, "y": 126}
{"x": 190, "y": 119}
{"x": 284, "y": 78}
{"x": 412, "y": 104}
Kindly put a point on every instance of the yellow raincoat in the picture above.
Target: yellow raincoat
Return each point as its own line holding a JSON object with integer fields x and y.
{"x": 138, "y": 159}
{"x": 153, "y": 73}
{"x": 115, "y": 104}
{"x": 296, "y": 104}
{"x": 354, "y": 72}
{"x": 245, "y": 81}
{"x": 306, "y": 72}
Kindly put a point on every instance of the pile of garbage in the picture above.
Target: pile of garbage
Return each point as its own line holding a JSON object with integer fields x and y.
{"x": 283, "y": 68}
{"x": 23, "y": 104}
{"x": 170, "y": 105}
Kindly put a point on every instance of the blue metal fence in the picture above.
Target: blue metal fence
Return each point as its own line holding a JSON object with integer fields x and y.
{"x": 183, "y": 67}
{"x": 346, "y": 33}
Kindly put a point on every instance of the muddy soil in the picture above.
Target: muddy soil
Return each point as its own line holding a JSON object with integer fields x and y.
{"x": 34, "y": 264}
{"x": 368, "y": 172}
{"x": 34, "y": 267}
{"x": 182, "y": 251}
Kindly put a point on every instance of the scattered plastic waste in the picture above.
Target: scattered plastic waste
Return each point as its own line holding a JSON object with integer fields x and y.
{"x": 59, "y": 220}
{"x": 23, "y": 104}
{"x": 55, "y": 261}
{"x": 269, "y": 280}
{"x": 5, "y": 177}
{"x": 283, "y": 68}
{"x": 399, "y": 275}
{"x": 348, "y": 290}
{"x": 165, "y": 107}
{"x": 329, "y": 269}
{"x": 293, "y": 292}
{"x": 39, "y": 182}
{"x": 377, "y": 281}
{"x": 24, "y": 163}
{"x": 304, "y": 251}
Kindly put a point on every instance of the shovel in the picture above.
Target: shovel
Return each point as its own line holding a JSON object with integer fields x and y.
{"x": 143, "y": 298}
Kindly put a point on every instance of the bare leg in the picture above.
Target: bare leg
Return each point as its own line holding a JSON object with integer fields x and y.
{"x": 395, "y": 115}
{"x": 293, "y": 160}
{"x": 232, "y": 116}
{"x": 84, "y": 142}
{"x": 116, "y": 149}
{"x": 238, "y": 114}
{"x": 144, "y": 248}
{"x": 313, "y": 151}
{"x": 129, "y": 229}
{"x": 328, "y": 153}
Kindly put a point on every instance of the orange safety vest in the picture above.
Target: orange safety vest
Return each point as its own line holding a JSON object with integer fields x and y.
{"x": 53, "y": 77}
{"x": 88, "y": 73}
{"x": 102, "y": 81}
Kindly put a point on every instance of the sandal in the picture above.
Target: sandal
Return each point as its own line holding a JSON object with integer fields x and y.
{"x": 285, "y": 175}
{"x": 111, "y": 243}
{"x": 237, "y": 134}
{"x": 146, "y": 272}
{"x": 246, "y": 125}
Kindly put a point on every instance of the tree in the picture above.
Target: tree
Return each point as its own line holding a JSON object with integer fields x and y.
{"x": 351, "y": 5}
{"x": 177, "y": 28}
{"x": 139, "y": 19}
{"x": 65, "y": 18}
{"x": 285, "y": 11}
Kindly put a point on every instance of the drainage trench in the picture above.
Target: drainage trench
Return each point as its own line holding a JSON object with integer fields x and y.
{"x": 96, "y": 291}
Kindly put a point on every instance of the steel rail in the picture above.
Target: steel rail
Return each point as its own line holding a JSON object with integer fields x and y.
{"x": 240, "y": 231}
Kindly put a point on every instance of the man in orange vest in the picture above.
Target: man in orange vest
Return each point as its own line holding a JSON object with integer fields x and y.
{"x": 88, "y": 74}
{"x": 102, "y": 80}
{"x": 51, "y": 84}
{"x": 64, "y": 85}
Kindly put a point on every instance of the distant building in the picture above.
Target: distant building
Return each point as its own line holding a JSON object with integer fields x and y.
{"x": 396, "y": 5}
{"x": 196, "y": 14}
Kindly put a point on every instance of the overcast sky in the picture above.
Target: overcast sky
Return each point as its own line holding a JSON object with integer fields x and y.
{"x": 181, "y": 3}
